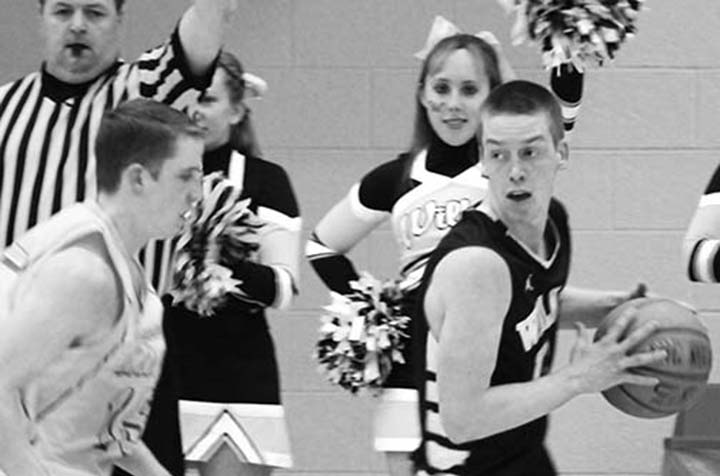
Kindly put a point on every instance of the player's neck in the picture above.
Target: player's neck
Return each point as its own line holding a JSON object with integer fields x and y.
{"x": 530, "y": 235}
{"x": 527, "y": 229}
{"x": 124, "y": 221}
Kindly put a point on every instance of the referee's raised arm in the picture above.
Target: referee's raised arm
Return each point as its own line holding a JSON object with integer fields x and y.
{"x": 201, "y": 31}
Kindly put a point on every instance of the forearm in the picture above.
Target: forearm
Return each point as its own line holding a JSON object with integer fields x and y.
{"x": 588, "y": 306}
{"x": 503, "y": 407}
{"x": 333, "y": 267}
{"x": 336, "y": 272}
{"x": 567, "y": 84}
{"x": 141, "y": 462}
{"x": 270, "y": 286}
{"x": 702, "y": 259}
{"x": 17, "y": 455}
{"x": 344, "y": 226}
{"x": 271, "y": 281}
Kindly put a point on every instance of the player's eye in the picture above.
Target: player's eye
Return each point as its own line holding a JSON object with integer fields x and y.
{"x": 496, "y": 155}
{"x": 529, "y": 153}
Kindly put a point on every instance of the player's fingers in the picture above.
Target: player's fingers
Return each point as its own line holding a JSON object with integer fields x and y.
{"x": 581, "y": 331}
{"x": 581, "y": 342}
{"x": 620, "y": 325}
{"x": 643, "y": 358}
{"x": 638, "y": 335}
{"x": 687, "y": 306}
{"x": 640, "y": 380}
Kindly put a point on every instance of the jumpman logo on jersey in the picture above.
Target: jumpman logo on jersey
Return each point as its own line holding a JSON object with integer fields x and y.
{"x": 528, "y": 284}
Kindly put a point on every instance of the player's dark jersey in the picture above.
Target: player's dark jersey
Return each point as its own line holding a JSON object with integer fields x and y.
{"x": 525, "y": 350}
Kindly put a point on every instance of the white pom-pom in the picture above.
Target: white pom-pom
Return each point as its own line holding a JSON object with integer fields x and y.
{"x": 582, "y": 32}
{"x": 361, "y": 335}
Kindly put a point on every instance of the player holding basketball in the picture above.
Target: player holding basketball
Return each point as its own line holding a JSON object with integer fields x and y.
{"x": 492, "y": 294}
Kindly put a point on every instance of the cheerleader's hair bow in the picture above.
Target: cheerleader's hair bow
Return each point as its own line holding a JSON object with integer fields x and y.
{"x": 443, "y": 28}
{"x": 255, "y": 86}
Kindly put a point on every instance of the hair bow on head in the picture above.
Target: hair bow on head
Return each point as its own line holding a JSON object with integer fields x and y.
{"x": 443, "y": 28}
{"x": 255, "y": 86}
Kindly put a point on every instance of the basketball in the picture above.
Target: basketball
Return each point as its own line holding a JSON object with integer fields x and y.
{"x": 683, "y": 374}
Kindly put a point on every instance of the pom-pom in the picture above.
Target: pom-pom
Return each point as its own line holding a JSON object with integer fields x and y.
{"x": 582, "y": 32}
{"x": 221, "y": 231}
{"x": 362, "y": 334}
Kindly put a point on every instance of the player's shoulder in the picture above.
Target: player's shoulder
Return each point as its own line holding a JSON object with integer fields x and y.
{"x": 472, "y": 261}
{"x": 473, "y": 227}
{"x": 474, "y": 275}
{"x": 557, "y": 209}
{"x": 559, "y": 216}
{"x": 84, "y": 264}
{"x": 79, "y": 282}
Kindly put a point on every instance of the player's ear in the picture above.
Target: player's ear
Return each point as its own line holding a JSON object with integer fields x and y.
{"x": 136, "y": 177}
{"x": 563, "y": 152}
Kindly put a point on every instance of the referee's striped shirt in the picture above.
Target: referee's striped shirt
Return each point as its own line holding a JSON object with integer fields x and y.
{"x": 48, "y": 129}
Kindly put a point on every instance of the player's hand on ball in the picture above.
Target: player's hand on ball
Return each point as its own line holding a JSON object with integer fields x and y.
{"x": 596, "y": 366}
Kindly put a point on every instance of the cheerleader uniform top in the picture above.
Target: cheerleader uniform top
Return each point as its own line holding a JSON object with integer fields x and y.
{"x": 423, "y": 196}
{"x": 229, "y": 357}
{"x": 89, "y": 407}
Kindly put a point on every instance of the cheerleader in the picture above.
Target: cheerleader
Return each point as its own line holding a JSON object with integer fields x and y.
{"x": 232, "y": 419}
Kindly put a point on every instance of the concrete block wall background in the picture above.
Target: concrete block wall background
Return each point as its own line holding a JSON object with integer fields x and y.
{"x": 341, "y": 77}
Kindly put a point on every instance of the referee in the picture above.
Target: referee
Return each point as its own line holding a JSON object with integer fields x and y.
{"x": 49, "y": 118}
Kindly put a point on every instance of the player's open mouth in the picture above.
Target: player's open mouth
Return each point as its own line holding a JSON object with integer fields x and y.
{"x": 518, "y": 196}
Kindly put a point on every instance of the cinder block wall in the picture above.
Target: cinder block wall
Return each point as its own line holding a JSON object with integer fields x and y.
{"x": 341, "y": 74}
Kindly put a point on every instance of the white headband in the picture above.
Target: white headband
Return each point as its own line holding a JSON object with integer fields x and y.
{"x": 255, "y": 86}
{"x": 443, "y": 28}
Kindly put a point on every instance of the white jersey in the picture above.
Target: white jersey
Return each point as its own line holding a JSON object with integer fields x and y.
{"x": 89, "y": 407}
